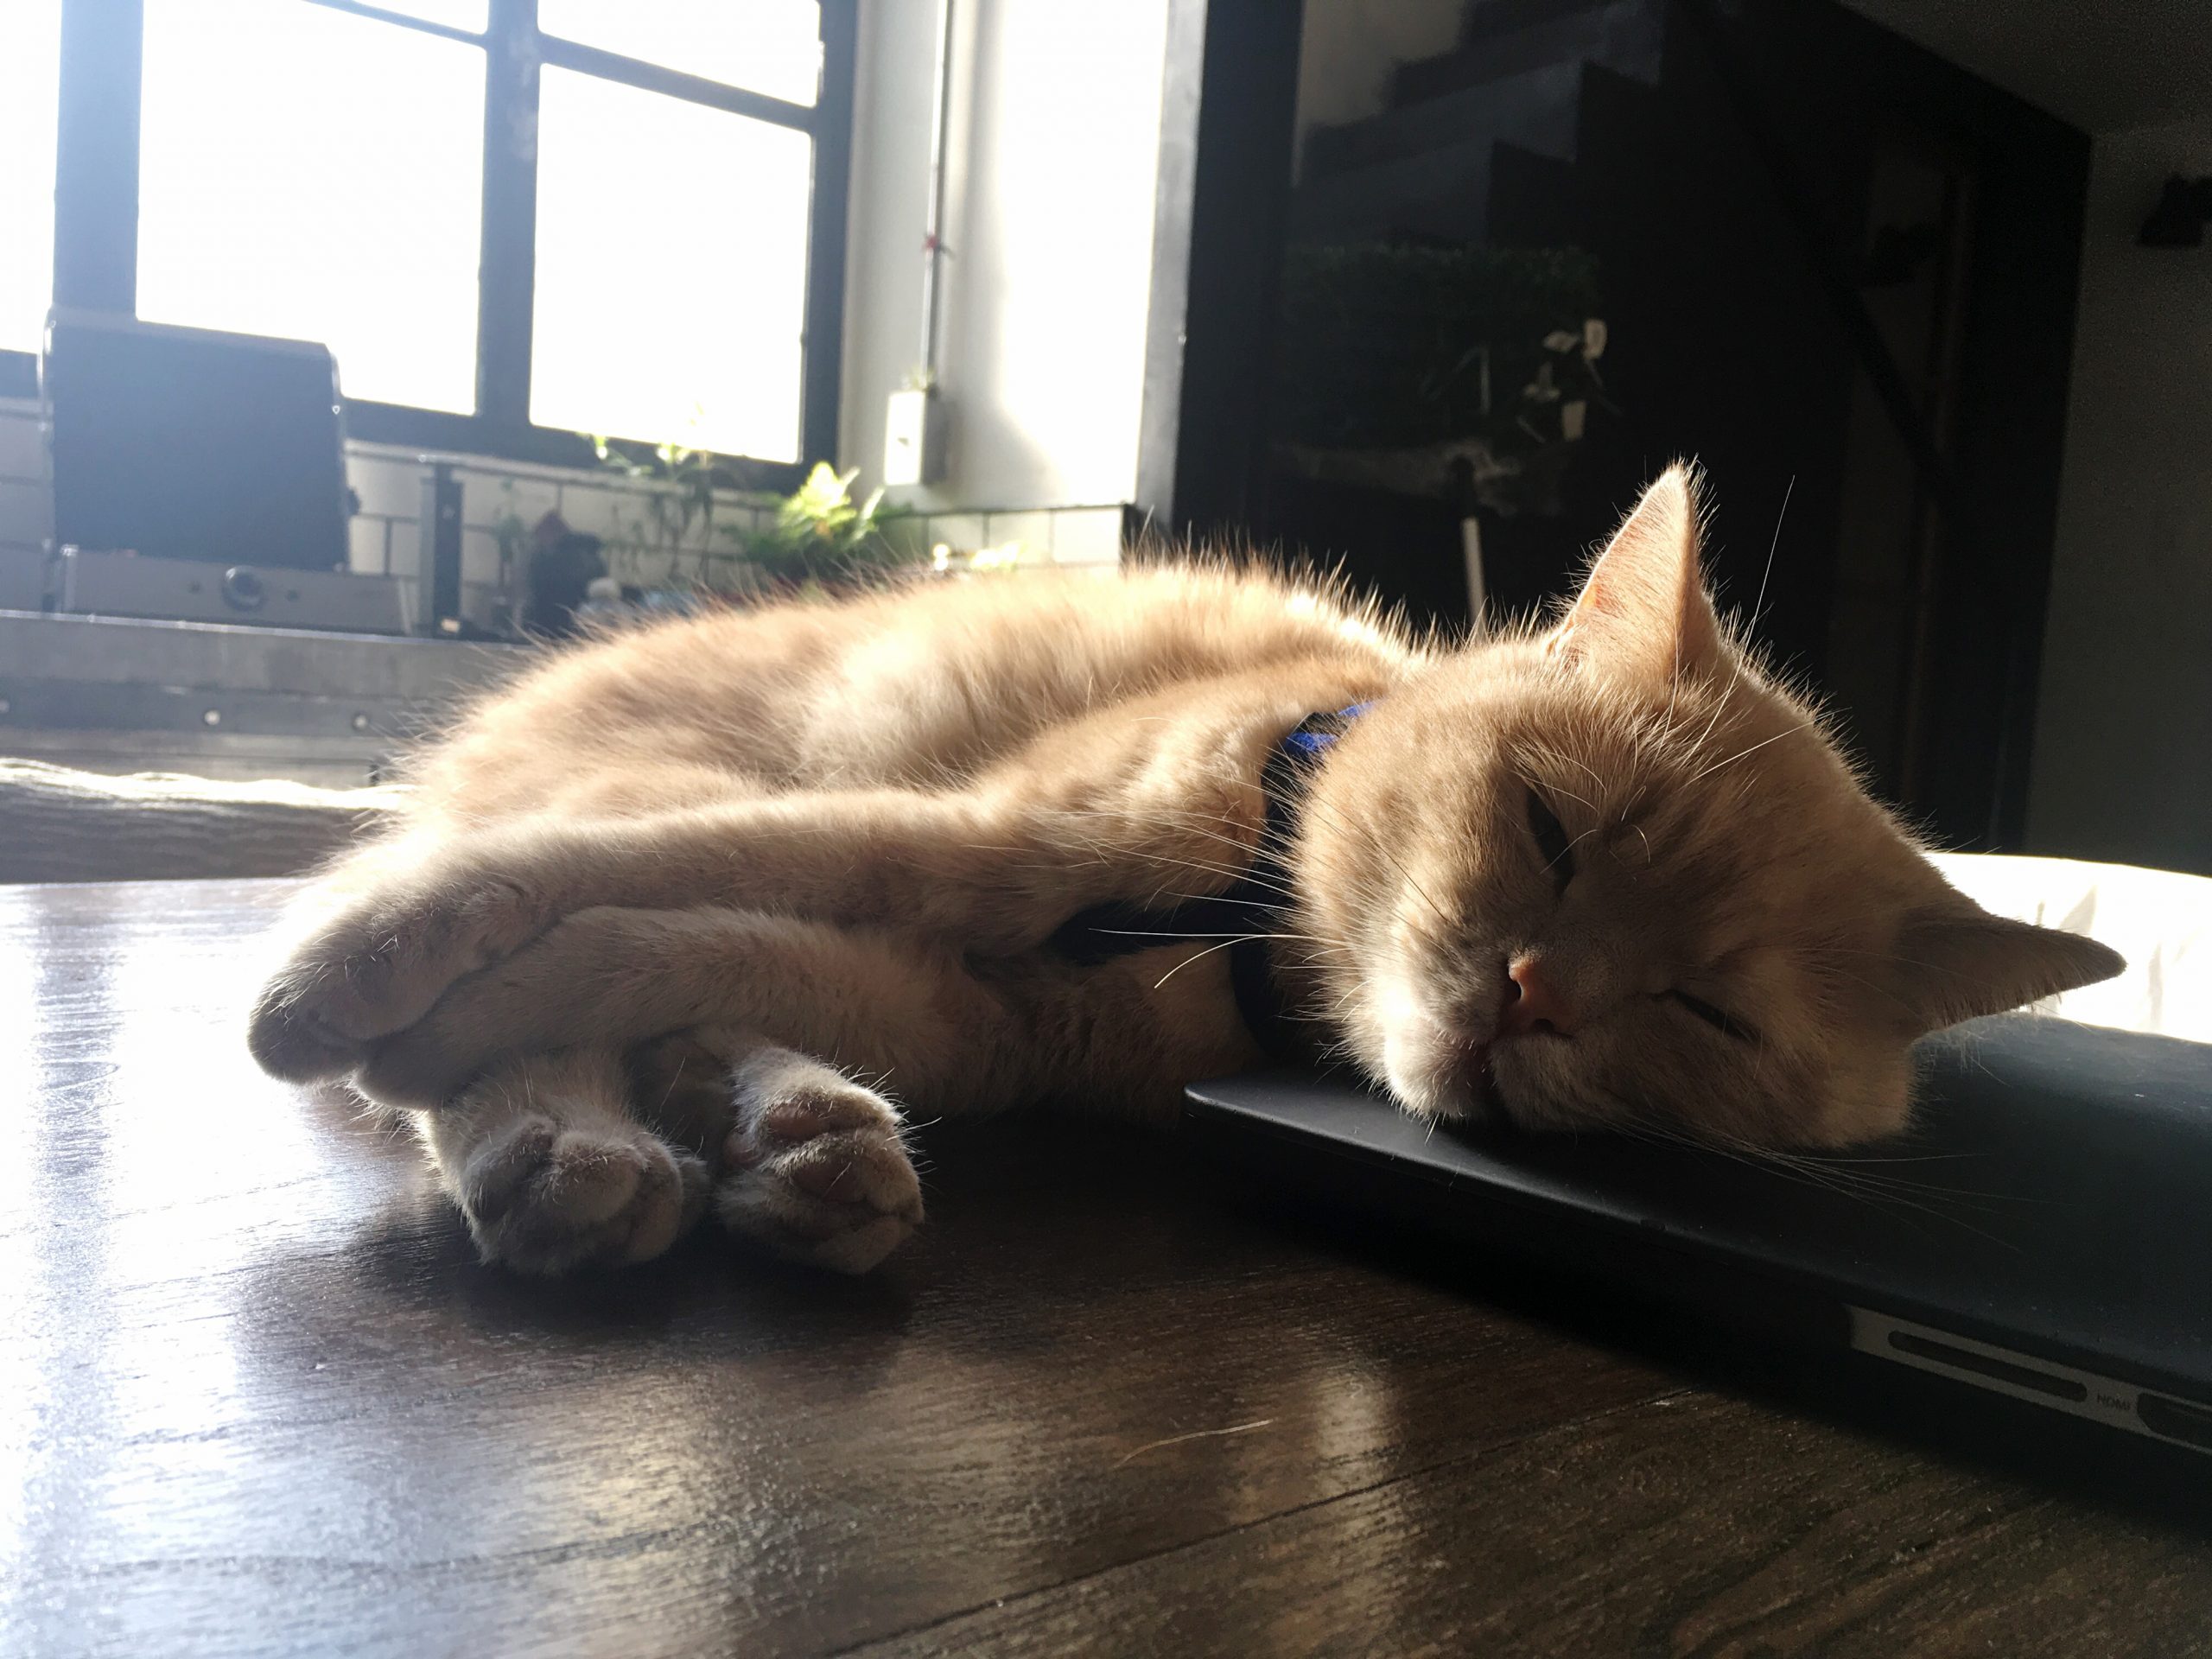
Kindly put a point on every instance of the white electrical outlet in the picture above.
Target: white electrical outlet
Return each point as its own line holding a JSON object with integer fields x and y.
{"x": 913, "y": 437}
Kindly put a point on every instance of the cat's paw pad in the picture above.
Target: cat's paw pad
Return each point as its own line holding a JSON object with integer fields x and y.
{"x": 818, "y": 1173}
{"x": 542, "y": 1197}
{"x": 377, "y": 967}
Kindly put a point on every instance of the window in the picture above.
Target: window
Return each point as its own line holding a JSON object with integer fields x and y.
{"x": 30, "y": 56}
{"x": 315, "y": 175}
{"x": 513, "y": 221}
{"x": 629, "y": 335}
{"x": 764, "y": 46}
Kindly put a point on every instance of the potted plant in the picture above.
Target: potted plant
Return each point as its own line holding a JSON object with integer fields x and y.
{"x": 1466, "y": 374}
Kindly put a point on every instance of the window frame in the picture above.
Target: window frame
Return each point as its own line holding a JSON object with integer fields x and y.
{"x": 96, "y": 219}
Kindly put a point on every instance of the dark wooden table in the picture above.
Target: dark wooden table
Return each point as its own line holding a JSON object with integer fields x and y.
{"x": 257, "y": 1398}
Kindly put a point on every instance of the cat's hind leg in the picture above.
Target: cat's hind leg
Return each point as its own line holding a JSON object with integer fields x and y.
{"x": 578, "y": 1158}
{"x": 552, "y": 1172}
{"x": 811, "y": 1165}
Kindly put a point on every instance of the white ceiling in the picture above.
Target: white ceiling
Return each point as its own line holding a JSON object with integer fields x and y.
{"x": 2104, "y": 66}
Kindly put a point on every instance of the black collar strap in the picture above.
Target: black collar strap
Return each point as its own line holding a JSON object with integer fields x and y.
{"x": 1247, "y": 912}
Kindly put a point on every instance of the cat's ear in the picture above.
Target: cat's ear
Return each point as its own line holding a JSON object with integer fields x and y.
{"x": 1642, "y": 608}
{"x": 1957, "y": 961}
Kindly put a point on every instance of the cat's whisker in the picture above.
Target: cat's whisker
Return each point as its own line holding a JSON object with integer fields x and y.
{"x": 1567, "y": 851}
{"x": 1572, "y": 796}
{"x": 1196, "y": 957}
{"x": 1596, "y": 777}
{"x": 1179, "y": 936}
{"x": 1788, "y": 490}
{"x": 1709, "y": 1141}
{"x": 1719, "y": 708}
{"x": 1234, "y": 875}
{"x": 1802, "y": 726}
{"x": 1862, "y": 1187}
{"x": 1392, "y": 858}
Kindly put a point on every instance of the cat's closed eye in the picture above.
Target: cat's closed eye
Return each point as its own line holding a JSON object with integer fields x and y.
{"x": 1551, "y": 842}
{"x": 1718, "y": 1019}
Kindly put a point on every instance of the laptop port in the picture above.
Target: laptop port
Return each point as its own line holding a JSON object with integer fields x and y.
{"x": 2190, "y": 1425}
{"x": 2001, "y": 1370}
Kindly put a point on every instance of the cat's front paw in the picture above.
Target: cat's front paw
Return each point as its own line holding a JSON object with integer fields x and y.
{"x": 377, "y": 966}
{"x": 817, "y": 1171}
{"x": 543, "y": 1197}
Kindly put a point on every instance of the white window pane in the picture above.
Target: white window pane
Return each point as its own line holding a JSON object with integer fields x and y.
{"x": 764, "y": 46}
{"x": 313, "y": 175}
{"x": 30, "y": 57}
{"x": 671, "y": 271}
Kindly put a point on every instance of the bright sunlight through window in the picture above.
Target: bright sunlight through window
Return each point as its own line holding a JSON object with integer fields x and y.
{"x": 765, "y": 46}
{"x": 312, "y": 176}
{"x": 471, "y": 15}
{"x": 671, "y": 271}
{"x": 30, "y": 54}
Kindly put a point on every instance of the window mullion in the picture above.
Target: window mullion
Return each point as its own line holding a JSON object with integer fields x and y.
{"x": 674, "y": 83}
{"x": 823, "y": 363}
{"x": 396, "y": 19}
{"x": 508, "y": 269}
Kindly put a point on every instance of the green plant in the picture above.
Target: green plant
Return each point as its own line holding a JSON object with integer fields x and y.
{"x": 1385, "y": 346}
{"x": 820, "y": 533}
{"x": 683, "y": 500}
{"x": 817, "y": 532}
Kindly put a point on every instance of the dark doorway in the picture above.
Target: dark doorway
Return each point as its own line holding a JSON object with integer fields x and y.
{"x": 1577, "y": 240}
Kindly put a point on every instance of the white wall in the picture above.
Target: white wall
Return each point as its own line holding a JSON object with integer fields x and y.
{"x": 24, "y": 513}
{"x": 2123, "y": 761}
{"x": 383, "y": 535}
{"x": 1053, "y": 150}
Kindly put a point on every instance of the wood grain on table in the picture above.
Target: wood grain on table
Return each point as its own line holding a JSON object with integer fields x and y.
{"x": 257, "y": 1398}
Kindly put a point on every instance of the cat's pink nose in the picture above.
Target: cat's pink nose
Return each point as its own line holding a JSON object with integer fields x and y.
{"x": 1533, "y": 1002}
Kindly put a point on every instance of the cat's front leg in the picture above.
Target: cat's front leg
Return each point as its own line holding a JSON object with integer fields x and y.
{"x": 612, "y": 976}
{"x": 409, "y": 926}
{"x": 385, "y": 947}
{"x": 960, "y": 1034}
{"x": 996, "y": 869}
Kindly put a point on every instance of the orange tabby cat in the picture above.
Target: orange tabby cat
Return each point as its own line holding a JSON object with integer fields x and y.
{"x": 655, "y": 912}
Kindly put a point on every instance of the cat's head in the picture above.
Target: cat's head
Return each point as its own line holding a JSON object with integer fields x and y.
{"x": 1611, "y": 873}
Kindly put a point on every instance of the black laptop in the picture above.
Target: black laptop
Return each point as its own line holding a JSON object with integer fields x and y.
{"x": 2044, "y": 1230}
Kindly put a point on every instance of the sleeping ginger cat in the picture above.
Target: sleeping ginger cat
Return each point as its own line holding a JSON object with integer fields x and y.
{"x": 670, "y": 925}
